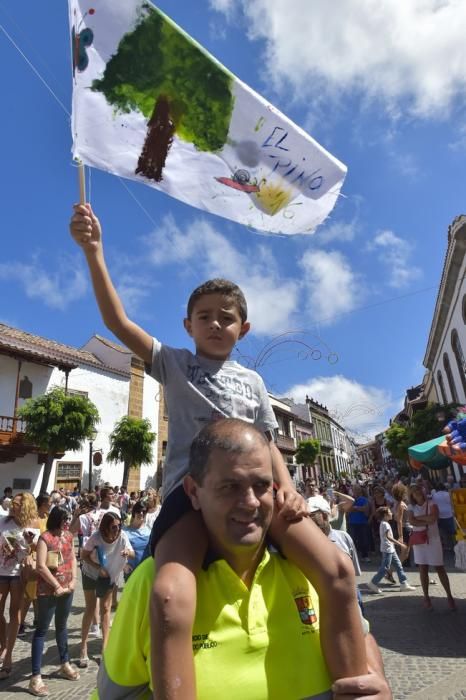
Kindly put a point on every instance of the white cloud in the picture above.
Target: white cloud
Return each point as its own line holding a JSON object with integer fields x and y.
{"x": 132, "y": 293}
{"x": 272, "y": 301}
{"x": 56, "y": 289}
{"x": 225, "y": 6}
{"x": 331, "y": 285}
{"x": 359, "y": 408}
{"x": 409, "y": 53}
{"x": 336, "y": 231}
{"x": 395, "y": 253}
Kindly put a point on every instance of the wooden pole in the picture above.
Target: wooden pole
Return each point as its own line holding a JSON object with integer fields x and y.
{"x": 82, "y": 183}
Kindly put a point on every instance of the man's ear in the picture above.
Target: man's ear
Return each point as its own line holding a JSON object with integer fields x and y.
{"x": 188, "y": 327}
{"x": 245, "y": 327}
{"x": 191, "y": 489}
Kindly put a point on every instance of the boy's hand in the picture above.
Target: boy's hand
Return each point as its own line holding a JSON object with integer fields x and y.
{"x": 85, "y": 228}
{"x": 291, "y": 505}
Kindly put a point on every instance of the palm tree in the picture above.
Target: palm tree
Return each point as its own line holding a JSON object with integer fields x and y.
{"x": 57, "y": 422}
{"x": 131, "y": 442}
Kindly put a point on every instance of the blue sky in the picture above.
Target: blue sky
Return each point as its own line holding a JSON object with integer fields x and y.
{"x": 380, "y": 84}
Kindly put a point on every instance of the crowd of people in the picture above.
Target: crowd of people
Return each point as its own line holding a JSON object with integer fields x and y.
{"x": 106, "y": 534}
{"x": 409, "y": 520}
{"x": 40, "y": 559}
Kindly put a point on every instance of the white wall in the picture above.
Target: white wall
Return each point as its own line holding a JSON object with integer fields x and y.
{"x": 455, "y": 320}
{"x": 108, "y": 391}
{"x": 150, "y": 410}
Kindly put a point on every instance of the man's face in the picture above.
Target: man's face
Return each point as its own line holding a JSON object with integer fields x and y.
{"x": 311, "y": 488}
{"x": 215, "y": 326}
{"x": 236, "y": 498}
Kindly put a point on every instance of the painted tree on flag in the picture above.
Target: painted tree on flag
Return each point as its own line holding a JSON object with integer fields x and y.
{"x": 158, "y": 70}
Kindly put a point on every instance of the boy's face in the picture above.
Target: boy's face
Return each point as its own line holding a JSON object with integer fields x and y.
{"x": 215, "y": 326}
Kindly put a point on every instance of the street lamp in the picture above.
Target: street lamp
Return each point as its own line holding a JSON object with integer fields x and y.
{"x": 92, "y": 437}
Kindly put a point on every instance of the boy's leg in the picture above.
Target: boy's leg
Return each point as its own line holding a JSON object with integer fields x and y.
{"x": 384, "y": 564}
{"x": 178, "y": 557}
{"x": 331, "y": 573}
{"x": 399, "y": 568}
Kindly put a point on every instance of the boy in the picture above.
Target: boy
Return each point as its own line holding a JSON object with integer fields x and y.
{"x": 389, "y": 555}
{"x": 199, "y": 388}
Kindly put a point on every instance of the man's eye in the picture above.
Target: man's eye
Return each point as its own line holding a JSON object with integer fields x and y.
{"x": 228, "y": 488}
{"x": 262, "y": 487}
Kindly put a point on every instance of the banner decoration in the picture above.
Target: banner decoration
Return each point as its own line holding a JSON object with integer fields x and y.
{"x": 151, "y": 105}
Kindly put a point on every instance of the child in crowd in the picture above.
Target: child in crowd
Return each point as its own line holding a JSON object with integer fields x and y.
{"x": 199, "y": 388}
{"x": 389, "y": 555}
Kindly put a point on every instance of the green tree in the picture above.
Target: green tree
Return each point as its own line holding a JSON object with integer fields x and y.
{"x": 57, "y": 422}
{"x": 307, "y": 451}
{"x": 398, "y": 441}
{"x": 424, "y": 425}
{"x": 131, "y": 442}
{"x": 160, "y": 71}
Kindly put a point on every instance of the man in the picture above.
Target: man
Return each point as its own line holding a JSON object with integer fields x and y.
{"x": 7, "y": 493}
{"x": 256, "y": 632}
{"x": 310, "y": 488}
{"x": 320, "y": 512}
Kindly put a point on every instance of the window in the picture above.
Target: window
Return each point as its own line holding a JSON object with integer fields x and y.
{"x": 21, "y": 484}
{"x": 25, "y": 388}
{"x": 69, "y": 470}
{"x": 459, "y": 357}
{"x": 451, "y": 383}
{"x": 441, "y": 387}
{"x": 77, "y": 392}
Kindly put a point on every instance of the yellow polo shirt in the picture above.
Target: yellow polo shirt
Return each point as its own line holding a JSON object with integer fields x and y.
{"x": 260, "y": 643}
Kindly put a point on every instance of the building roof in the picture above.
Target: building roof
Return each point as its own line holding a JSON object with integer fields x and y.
{"x": 34, "y": 348}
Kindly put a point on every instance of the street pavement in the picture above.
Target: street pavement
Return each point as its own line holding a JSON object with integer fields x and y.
{"x": 424, "y": 652}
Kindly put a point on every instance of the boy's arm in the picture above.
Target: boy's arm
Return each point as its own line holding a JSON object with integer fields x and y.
{"x": 374, "y": 684}
{"x": 86, "y": 231}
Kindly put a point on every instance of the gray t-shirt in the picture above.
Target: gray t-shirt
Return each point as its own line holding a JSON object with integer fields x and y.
{"x": 346, "y": 544}
{"x": 198, "y": 391}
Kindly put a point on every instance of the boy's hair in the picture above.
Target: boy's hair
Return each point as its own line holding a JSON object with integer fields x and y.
{"x": 381, "y": 512}
{"x": 220, "y": 286}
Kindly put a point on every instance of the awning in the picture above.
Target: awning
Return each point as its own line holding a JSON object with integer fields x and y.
{"x": 427, "y": 453}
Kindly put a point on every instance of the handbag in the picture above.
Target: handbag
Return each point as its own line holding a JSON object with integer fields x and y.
{"x": 54, "y": 559}
{"x": 28, "y": 569}
{"x": 420, "y": 536}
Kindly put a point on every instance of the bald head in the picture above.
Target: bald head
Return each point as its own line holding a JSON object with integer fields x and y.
{"x": 229, "y": 435}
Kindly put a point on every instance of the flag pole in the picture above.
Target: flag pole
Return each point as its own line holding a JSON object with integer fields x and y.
{"x": 82, "y": 182}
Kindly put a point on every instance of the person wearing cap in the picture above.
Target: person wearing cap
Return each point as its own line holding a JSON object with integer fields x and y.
{"x": 320, "y": 511}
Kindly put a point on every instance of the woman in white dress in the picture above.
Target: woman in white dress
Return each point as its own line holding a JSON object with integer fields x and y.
{"x": 423, "y": 516}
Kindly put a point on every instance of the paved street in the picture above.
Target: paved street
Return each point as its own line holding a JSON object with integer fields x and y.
{"x": 424, "y": 653}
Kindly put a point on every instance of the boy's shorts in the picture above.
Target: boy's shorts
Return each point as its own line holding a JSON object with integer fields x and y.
{"x": 173, "y": 508}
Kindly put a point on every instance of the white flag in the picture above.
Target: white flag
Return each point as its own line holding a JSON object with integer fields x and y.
{"x": 150, "y": 104}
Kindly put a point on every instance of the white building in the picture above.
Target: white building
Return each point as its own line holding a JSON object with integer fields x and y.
{"x": 447, "y": 338}
{"x": 111, "y": 377}
{"x": 446, "y": 347}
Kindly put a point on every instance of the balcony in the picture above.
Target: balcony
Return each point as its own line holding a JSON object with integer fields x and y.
{"x": 12, "y": 442}
{"x": 284, "y": 442}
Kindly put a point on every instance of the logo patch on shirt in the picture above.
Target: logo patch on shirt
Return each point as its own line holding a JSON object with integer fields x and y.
{"x": 306, "y": 610}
